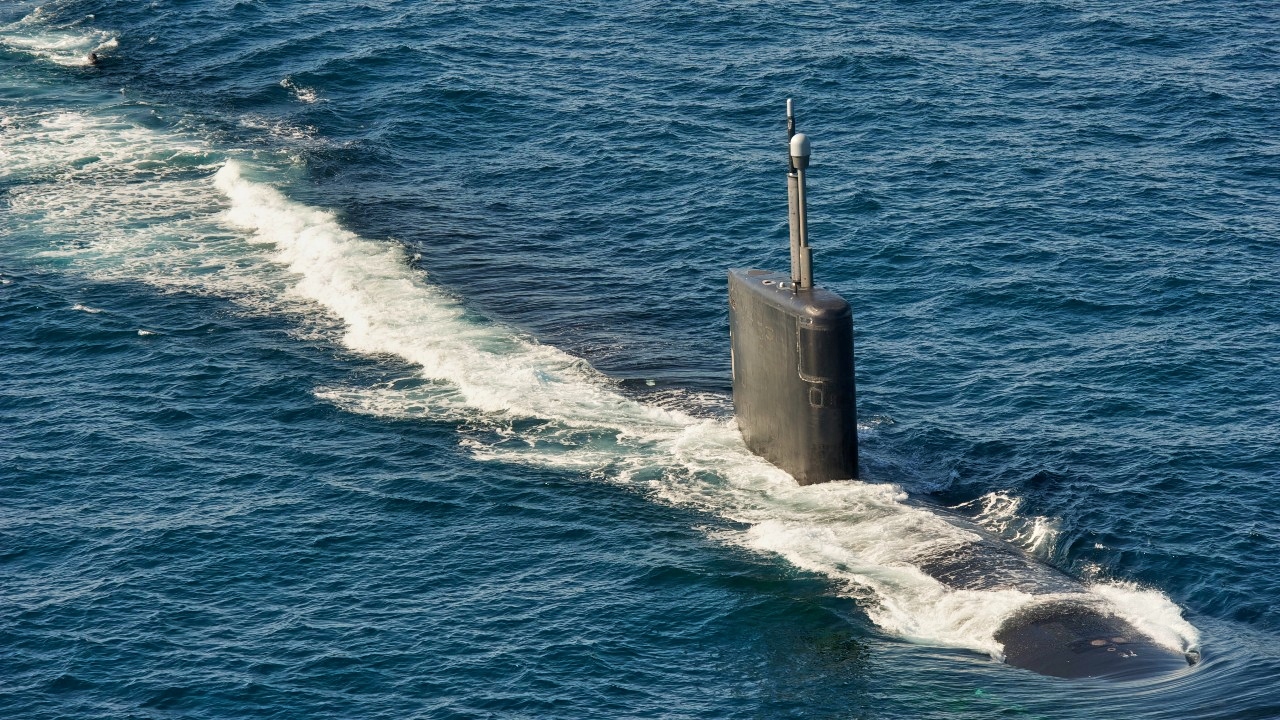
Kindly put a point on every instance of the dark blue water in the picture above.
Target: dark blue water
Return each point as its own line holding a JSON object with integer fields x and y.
{"x": 371, "y": 360}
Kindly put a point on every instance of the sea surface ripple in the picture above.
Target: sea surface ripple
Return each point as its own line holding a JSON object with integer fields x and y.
{"x": 371, "y": 359}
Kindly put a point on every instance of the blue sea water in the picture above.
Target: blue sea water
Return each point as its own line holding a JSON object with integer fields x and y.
{"x": 371, "y": 359}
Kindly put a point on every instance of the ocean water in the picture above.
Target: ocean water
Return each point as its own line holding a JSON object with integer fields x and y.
{"x": 370, "y": 360}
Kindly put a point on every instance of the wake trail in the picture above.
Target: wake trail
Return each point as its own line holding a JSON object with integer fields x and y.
{"x": 174, "y": 211}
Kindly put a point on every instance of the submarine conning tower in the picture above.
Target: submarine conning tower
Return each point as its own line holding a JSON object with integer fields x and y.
{"x": 792, "y": 353}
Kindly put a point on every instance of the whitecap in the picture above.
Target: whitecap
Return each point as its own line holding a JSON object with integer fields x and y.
{"x": 303, "y": 94}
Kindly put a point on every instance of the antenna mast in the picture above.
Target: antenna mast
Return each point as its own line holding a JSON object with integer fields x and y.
{"x": 797, "y": 210}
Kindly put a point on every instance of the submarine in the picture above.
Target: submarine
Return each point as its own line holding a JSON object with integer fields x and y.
{"x": 1065, "y": 631}
{"x": 794, "y": 396}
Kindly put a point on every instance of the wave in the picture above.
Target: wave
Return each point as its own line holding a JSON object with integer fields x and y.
{"x": 172, "y": 211}
{"x": 1001, "y": 513}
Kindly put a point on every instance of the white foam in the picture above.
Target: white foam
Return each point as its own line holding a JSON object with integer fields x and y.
{"x": 65, "y": 46}
{"x": 1000, "y": 512}
{"x": 304, "y": 94}
{"x": 280, "y": 129}
{"x": 1152, "y": 612}
{"x": 158, "y": 217}
{"x": 86, "y": 309}
{"x": 123, "y": 202}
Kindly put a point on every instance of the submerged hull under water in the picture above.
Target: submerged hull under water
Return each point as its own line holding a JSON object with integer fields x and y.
{"x": 1079, "y": 640}
{"x": 1071, "y": 633}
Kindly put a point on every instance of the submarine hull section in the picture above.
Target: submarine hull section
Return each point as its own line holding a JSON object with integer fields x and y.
{"x": 1068, "y": 632}
{"x": 1076, "y": 640}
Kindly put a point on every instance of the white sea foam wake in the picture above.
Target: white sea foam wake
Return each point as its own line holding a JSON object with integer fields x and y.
{"x": 171, "y": 211}
{"x": 68, "y": 45}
